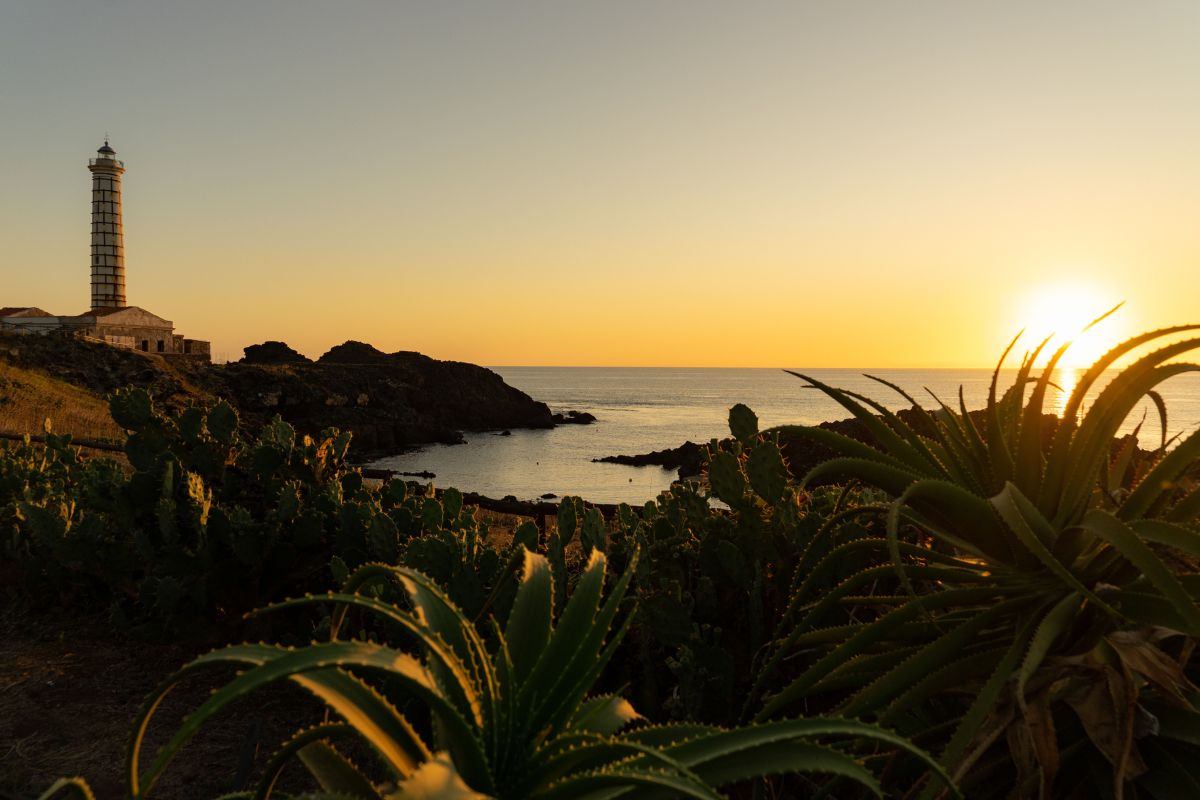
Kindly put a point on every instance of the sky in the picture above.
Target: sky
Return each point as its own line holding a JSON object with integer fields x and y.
{"x": 841, "y": 184}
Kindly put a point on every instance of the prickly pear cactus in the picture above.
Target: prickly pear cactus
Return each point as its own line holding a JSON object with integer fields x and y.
{"x": 767, "y": 472}
{"x": 743, "y": 423}
{"x": 726, "y": 478}
{"x": 593, "y": 533}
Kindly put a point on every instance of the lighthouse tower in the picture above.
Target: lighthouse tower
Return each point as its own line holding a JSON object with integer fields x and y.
{"x": 108, "y": 237}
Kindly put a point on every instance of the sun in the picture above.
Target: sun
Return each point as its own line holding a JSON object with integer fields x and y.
{"x": 1064, "y": 312}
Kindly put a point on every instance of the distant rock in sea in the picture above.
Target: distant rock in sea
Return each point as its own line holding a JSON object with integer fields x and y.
{"x": 687, "y": 459}
{"x": 574, "y": 418}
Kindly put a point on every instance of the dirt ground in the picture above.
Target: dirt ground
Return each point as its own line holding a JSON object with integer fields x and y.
{"x": 69, "y": 693}
{"x": 70, "y": 689}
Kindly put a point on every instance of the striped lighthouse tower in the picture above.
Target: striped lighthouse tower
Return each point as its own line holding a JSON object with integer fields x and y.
{"x": 108, "y": 237}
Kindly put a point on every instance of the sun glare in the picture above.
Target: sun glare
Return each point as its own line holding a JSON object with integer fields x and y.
{"x": 1063, "y": 312}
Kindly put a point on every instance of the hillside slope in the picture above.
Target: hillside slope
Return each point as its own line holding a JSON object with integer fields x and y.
{"x": 29, "y": 397}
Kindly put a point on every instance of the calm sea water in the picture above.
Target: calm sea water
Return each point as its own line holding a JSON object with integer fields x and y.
{"x": 644, "y": 409}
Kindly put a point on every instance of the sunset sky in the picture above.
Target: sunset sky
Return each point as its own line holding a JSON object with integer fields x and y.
{"x": 627, "y": 183}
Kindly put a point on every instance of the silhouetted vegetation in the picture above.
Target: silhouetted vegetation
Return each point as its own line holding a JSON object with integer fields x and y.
{"x": 988, "y": 599}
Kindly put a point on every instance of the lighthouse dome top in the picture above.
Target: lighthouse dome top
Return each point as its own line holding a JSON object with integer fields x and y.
{"x": 105, "y": 149}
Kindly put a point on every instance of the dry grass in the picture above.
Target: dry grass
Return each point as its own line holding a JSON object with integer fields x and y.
{"x": 28, "y": 398}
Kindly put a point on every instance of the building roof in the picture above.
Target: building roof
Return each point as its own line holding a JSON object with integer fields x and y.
{"x": 139, "y": 316}
{"x": 106, "y": 148}
{"x": 24, "y": 311}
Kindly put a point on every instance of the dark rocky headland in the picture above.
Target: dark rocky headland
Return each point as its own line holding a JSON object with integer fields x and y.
{"x": 801, "y": 453}
{"x": 389, "y": 400}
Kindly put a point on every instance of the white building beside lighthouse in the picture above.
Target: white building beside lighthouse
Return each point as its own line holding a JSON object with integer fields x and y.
{"x": 110, "y": 319}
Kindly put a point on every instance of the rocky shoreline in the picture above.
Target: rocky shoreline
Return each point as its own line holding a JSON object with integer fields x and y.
{"x": 801, "y": 453}
{"x": 687, "y": 459}
{"x": 390, "y": 401}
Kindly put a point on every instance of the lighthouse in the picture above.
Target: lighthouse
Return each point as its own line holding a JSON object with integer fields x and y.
{"x": 108, "y": 236}
{"x": 110, "y": 319}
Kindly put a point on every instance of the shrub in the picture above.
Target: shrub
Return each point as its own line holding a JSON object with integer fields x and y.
{"x": 510, "y": 721}
{"x": 206, "y": 524}
{"x": 1031, "y": 610}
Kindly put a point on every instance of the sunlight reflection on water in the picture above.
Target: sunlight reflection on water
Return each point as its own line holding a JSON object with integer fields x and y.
{"x": 640, "y": 410}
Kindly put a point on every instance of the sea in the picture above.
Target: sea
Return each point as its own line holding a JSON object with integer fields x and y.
{"x": 643, "y": 409}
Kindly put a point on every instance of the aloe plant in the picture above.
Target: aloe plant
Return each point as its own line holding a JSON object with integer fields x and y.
{"x": 511, "y": 720}
{"x": 67, "y": 788}
{"x": 1033, "y": 587}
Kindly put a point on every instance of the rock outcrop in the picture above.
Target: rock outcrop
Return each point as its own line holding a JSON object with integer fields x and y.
{"x": 273, "y": 353}
{"x": 801, "y": 453}
{"x": 390, "y": 401}
{"x": 687, "y": 459}
{"x": 574, "y": 418}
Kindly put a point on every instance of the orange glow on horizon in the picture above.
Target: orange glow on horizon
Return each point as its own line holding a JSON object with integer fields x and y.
{"x": 1063, "y": 313}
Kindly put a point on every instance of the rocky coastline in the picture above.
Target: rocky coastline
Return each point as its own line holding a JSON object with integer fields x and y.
{"x": 802, "y": 453}
{"x": 390, "y": 401}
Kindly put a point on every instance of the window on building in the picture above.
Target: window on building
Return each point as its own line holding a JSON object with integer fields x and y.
{"x": 160, "y": 345}
{"x": 145, "y": 345}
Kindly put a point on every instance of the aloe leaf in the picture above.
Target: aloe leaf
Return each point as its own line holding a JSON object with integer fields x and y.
{"x": 982, "y": 706}
{"x": 891, "y": 442}
{"x": 893, "y": 541}
{"x": 1098, "y": 367}
{"x": 1171, "y": 534}
{"x": 869, "y": 634}
{"x": 1187, "y": 509}
{"x": 284, "y": 755}
{"x": 569, "y": 694}
{"x": 1160, "y": 481}
{"x": 720, "y": 749}
{"x": 1089, "y": 448}
{"x": 66, "y": 788}
{"x": 946, "y": 647}
{"x": 837, "y": 442}
{"x": 316, "y": 669}
{"x": 436, "y": 610}
{"x": 570, "y": 673}
{"x": 998, "y": 455}
{"x": 334, "y": 772}
{"x": 974, "y": 437}
{"x": 1181, "y": 724}
{"x": 1129, "y": 545}
{"x": 530, "y": 621}
{"x": 919, "y": 446}
{"x": 668, "y": 734}
{"x": 1147, "y": 609}
{"x": 965, "y": 667}
{"x": 1025, "y": 522}
{"x": 788, "y": 756}
{"x": 581, "y": 753}
{"x": 1029, "y": 458}
{"x": 1168, "y": 776}
{"x": 1048, "y": 631}
{"x": 605, "y": 715}
{"x": 437, "y": 779}
{"x": 965, "y": 520}
{"x": 786, "y": 643}
{"x": 461, "y": 690}
{"x": 876, "y": 472}
{"x": 585, "y": 785}
{"x": 579, "y": 623}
